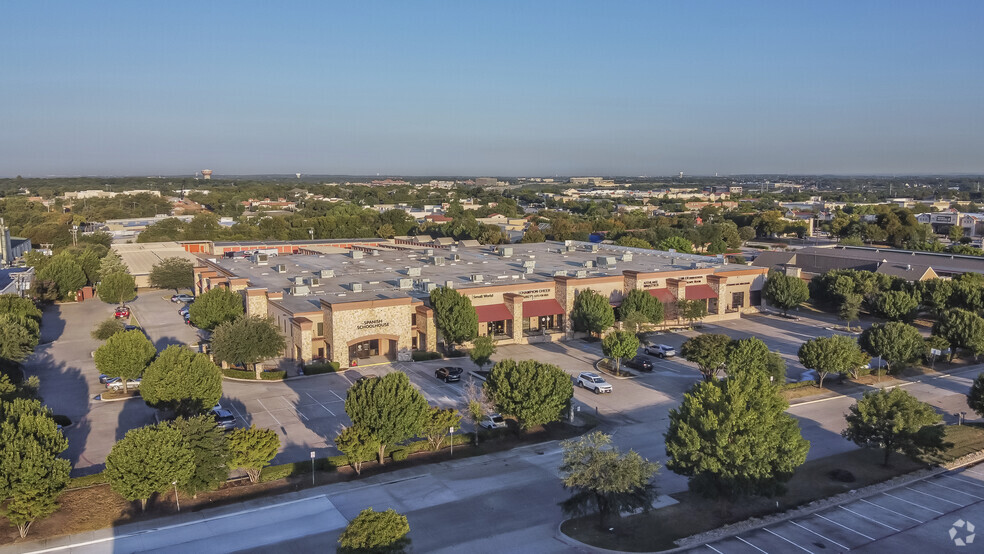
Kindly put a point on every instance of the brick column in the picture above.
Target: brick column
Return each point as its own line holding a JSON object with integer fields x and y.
{"x": 256, "y": 302}
{"x": 515, "y": 304}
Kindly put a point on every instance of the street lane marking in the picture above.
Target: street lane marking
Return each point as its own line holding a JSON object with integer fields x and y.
{"x": 888, "y": 510}
{"x": 936, "y": 497}
{"x": 954, "y": 490}
{"x": 269, "y": 412}
{"x": 787, "y": 540}
{"x": 832, "y": 541}
{"x": 845, "y": 527}
{"x": 752, "y": 545}
{"x": 913, "y": 503}
{"x": 868, "y": 518}
{"x": 714, "y": 549}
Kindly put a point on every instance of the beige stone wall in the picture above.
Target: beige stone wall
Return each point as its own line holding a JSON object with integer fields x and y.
{"x": 345, "y": 326}
{"x": 256, "y": 303}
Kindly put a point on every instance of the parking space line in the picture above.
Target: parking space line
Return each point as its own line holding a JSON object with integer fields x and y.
{"x": 714, "y": 549}
{"x": 868, "y": 518}
{"x": 241, "y": 416}
{"x": 974, "y": 471}
{"x": 320, "y": 404}
{"x": 976, "y": 484}
{"x": 293, "y": 407}
{"x": 845, "y": 527}
{"x": 750, "y": 544}
{"x": 913, "y": 503}
{"x": 888, "y": 510}
{"x": 936, "y": 497}
{"x": 954, "y": 490}
{"x": 336, "y": 395}
{"x": 785, "y": 539}
{"x": 269, "y": 412}
{"x": 819, "y": 535}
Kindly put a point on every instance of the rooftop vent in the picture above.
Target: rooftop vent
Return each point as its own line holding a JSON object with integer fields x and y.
{"x": 477, "y": 277}
{"x": 529, "y": 264}
{"x": 326, "y": 273}
{"x": 297, "y": 280}
{"x": 355, "y": 287}
{"x": 259, "y": 259}
{"x": 627, "y": 257}
{"x": 430, "y": 251}
{"x": 413, "y": 272}
{"x": 593, "y": 247}
{"x": 356, "y": 254}
{"x": 313, "y": 282}
{"x": 527, "y": 270}
{"x": 406, "y": 284}
{"x": 437, "y": 260}
{"x": 449, "y": 284}
{"x": 506, "y": 251}
{"x": 560, "y": 273}
{"x": 606, "y": 261}
{"x": 588, "y": 263}
{"x": 581, "y": 273}
{"x": 299, "y": 290}
{"x": 280, "y": 268}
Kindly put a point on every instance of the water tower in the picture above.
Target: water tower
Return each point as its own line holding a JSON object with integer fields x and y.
{"x": 207, "y": 174}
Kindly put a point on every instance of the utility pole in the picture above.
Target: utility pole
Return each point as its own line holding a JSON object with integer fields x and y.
{"x": 75, "y": 235}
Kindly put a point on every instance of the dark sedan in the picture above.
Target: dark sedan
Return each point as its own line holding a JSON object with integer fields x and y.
{"x": 640, "y": 363}
{"x": 449, "y": 374}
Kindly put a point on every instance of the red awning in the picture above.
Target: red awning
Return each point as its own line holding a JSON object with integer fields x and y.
{"x": 493, "y": 312}
{"x": 537, "y": 308}
{"x": 663, "y": 295}
{"x": 700, "y": 292}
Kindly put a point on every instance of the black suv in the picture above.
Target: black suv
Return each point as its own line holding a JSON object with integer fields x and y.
{"x": 640, "y": 363}
{"x": 449, "y": 374}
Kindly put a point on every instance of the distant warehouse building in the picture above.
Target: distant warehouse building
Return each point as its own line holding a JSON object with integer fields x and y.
{"x": 907, "y": 264}
{"x": 368, "y": 300}
{"x": 140, "y": 258}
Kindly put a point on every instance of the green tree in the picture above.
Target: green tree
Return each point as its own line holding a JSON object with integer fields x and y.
{"x": 639, "y": 305}
{"x": 752, "y": 354}
{"x": 125, "y": 355}
{"x": 112, "y": 263}
{"x": 64, "y": 273}
{"x": 117, "y": 288}
{"x": 21, "y": 310}
{"x": 482, "y": 350}
{"x": 454, "y": 316}
{"x": 107, "y": 328}
{"x": 214, "y": 307}
{"x": 210, "y": 454}
{"x": 183, "y": 381}
{"x": 535, "y": 392}
{"x": 172, "y": 273}
{"x": 935, "y": 294}
{"x": 533, "y": 234}
{"x": 31, "y": 473}
{"x": 373, "y": 532}
{"x": 975, "y": 398}
{"x": 896, "y": 421}
{"x": 785, "y": 291}
{"x": 252, "y": 449}
{"x": 709, "y": 351}
{"x": 895, "y": 342}
{"x": 732, "y": 436}
{"x": 895, "y": 305}
{"x": 692, "y": 310}
{"x": 835, "y": 354}
{"x": 850, "y": 308}
{"x": 247, "y": 341}
{"x": 955, "y": 233}
{"x": 477, "y": 405}
{"x": 147, "y": 461}
{"x": 620, "y": 344}
{"x": 592, "y": 312}
{"x": 605, "y": 480}
{"x": 438, "y": 425}
{"x": 388, "y": 407}
{"x": 677, "y": 243}
{"x": 16, "y": 341}
{"x": 633, "y": 242}
{"x": 962, "y": 329}
{"x": 357, "y": 445}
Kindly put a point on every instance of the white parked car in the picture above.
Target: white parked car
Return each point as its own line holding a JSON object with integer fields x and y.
{"x": 660, "y": 350}
{"x": 117, "y": 384}
{"x": 493, "y": 421}
{"x": 594, "y": 382}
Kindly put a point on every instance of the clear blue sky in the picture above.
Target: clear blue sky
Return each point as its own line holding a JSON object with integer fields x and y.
{"x": 491, "y": 88}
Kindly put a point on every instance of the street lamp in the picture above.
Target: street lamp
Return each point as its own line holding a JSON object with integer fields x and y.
{"x": 176, "y": 500}
{"x": 311, "y": 232}
{"x": 452, "y": 441}
{"x": 312, "y": 468}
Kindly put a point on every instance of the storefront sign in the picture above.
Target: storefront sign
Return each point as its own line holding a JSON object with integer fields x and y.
{"x": 477, "y": 296}
{"x": 743, "y": 284}
{"x": 536, "y": 293}
{"x": 651, "y": 284}
{"x": 692, "y": 279}
{"x": 372, "y": 324}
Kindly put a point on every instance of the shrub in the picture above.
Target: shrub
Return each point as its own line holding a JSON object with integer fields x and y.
{"x": 239, "y": 374}
{"x": 273, "y": 375}
{"x": 319, "y": 368}
{"x": 456, "y": 354}
{"x": 108, "y": 328}
{"x": 273, "y": 473}
{"x": 797, "y": 385}
{"x": 421, "y": 356}
{"x": 86, "y": 481}
{"x": 399, "y": 455}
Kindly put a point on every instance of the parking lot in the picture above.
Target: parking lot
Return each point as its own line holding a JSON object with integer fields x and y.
{"x": 916, "y": 517}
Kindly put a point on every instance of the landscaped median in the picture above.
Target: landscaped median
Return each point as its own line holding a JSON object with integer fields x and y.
{"x": 251, "y": 375}
{"x": 663, "y": 528}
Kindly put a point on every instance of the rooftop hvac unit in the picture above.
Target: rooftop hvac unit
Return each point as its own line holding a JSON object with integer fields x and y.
{"x": 406, "y": 284}
{"x": 570, "y": 248}
{"x": 694, "y": 265}
{"x": 280, "y": 268}
{"x": 355, "y": 287}
{"x": 627, "y": 257}
{"x": 581, "y": 273}
{"x": 356, "y": 254}
{"x": 314, "y": 282}
{"x": 449, "y": 284}
{"x": 505, "y": 251}
{"x": 437, "y": 260}
{"x": 299, "y": 290}
{"x": 606, "y": 261}
{"x": 454, "y": 258}
{"x": 560, "y": 273}
{"x": 326, "y": 273}
{"x": 429, "y": 252}
{"x": 297, "y": 280}
{"x": 413, "y": 272}
{"x": 259, "y": 259}
{"x": 593, "y": 247}
{"x": 529, "y": 264}
{"x": 429, "y": 287}
{"x": 527, "y": 270}
{"x": 477, "y": 278}
{"x": 588, "y": 263}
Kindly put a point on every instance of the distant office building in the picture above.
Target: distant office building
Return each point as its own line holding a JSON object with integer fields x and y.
{"x": 593, "y": 181}
{"x": 486, "y": 182}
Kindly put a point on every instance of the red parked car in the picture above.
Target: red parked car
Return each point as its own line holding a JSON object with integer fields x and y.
{"x": 122, "y": 311}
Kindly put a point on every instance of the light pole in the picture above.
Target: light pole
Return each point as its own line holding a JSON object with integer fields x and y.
{"x": 452, "y": 441}
{"x": 311, "y": 232}
{"x": 312, "y": 468}
{"x": 176, "y": 500}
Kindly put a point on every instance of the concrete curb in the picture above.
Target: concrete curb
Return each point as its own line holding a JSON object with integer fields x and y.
{"x": 607, "y": 374}
{"x": 101, "y": 399}
{"x": 259, "y": 380}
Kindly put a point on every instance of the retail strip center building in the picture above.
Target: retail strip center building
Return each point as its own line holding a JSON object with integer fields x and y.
{"x": 368, "y": 300}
